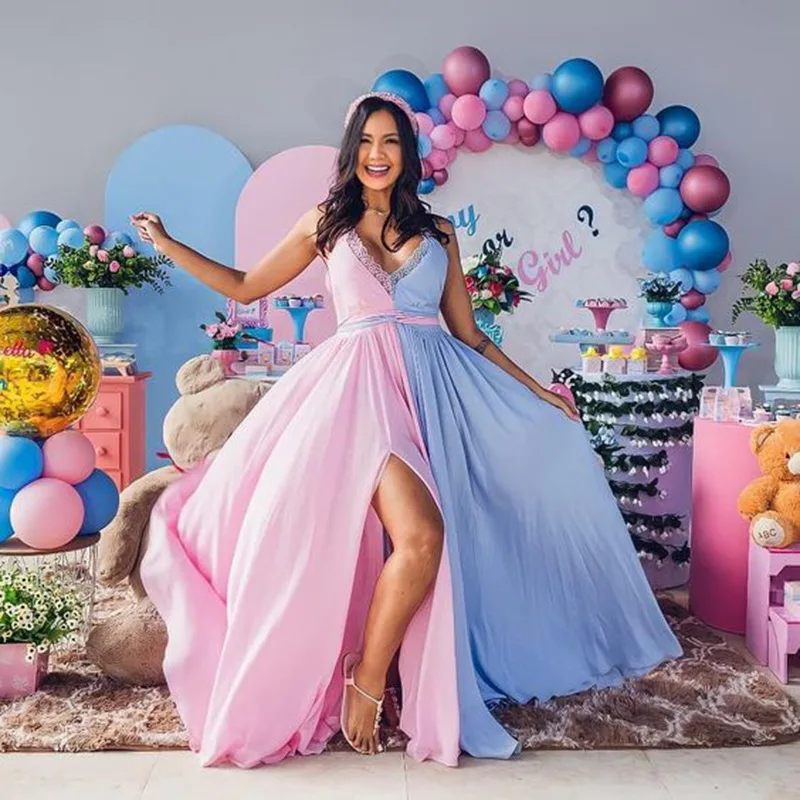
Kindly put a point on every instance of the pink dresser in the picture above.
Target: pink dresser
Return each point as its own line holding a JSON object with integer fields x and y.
{"x": 116, "y": 426}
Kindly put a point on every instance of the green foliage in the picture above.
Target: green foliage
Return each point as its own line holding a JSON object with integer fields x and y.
{"x": 775, "y": 298}
{"x": 659, "y": 288}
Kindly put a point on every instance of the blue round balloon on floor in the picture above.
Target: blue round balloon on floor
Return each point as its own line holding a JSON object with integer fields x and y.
{"x": 100, "y": 501}
{"x": 702, "y": 244}
{"x": 681, "y": 123}
{"x": 6, "y": 498}
{"x": 21, "y": 462}
{"x": 577, "y": 85}
{"x": 404, "y": 84}
{"x": 36, "y": 219}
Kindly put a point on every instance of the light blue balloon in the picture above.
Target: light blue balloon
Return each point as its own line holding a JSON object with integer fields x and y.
{"x": 582, "y": 148}
{"x": 707, "y": 281}
{"x": 607, "y": 150}
{"x": 116, "y": 238}
{"x": 44, "y": 240}
{"x": 542, "y": 83}
{"x": 26, "y": 278}
{"x": 670, "y": 176}
{"x": 494, "y": 93}
{"x": 676, "y": 316}
{"x": 632, "y": 152}
{"x": 51, "y": 274}
{"x": 34, "y": 219}
{"x": 663, "y": 206}
{"x": 437, "y": 116}
{"x": 496, "y": 125}
{"x": 424, "y": 145}
{"x": 13, "y": 246}
{"x": 646, "y": 127}
{"x": 72, "y": 238}
{"x": 65, "y": 224}
{"x": 684, "y": 277}
{"x": 685, "y": 159}
{"x": 660, "y": 252}
{"x": 100, "y": 501}
{"x": 426, "y": 186}
{"x": 699, "y": 315}
{"x": 26, "y": 295}
{"x": 436, "y": 87}
{"x": 702, "y": 244}
{"x": 616, "y": 175}
{"x": 6, "y": 498}
{"x": 21, "y": 462}
{"x": 621, "y": 130}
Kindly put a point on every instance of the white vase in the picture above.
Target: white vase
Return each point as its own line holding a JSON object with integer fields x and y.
{"x": 104, "y": 317}
{"x": 787, "y": 357}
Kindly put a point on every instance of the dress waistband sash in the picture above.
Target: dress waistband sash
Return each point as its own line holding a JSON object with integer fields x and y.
{"x": 399, "y": 317}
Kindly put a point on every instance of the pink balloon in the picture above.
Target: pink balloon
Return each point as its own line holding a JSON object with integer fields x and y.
{"x": 44, "y": 284}
{"x": 446, "y": 106}
{"x": 562, "y": 132}
{"x": 46, "y": 514}
{"x": 425, "y": 123}
{"x": 596, "y": 123}
{"x": 427, "y": 169}
{"x": 440, "y": 177}
{"x": 513, "y": 136}
{"x": 458, "y": 133}
{"x": 696, "y": 217}
{"x": 528, "y": 132}
{"x": 437, "y": 159}
{"x": 443, "y": 137}
{"x": 451, "y": 155}
{"x": 726, "y": 262}
{"x": 628, "y": 93}
{"x": 674, "y": 228}
{"x": 469, "y": 112}
{"x": 590, "y": 156}
{"x": 514, "y": 107}
{"x": 705, "y": 188}
{"x": 693, "y": 299}
{"x": 517, "y": 88}
{"x": 477, "y": 141}
{"x": 643, "y": 179}
{"x": 68, "y": 456}
{"x": 35, "y": 264}
{"x": 699, "y": 355}
{"x": 95, "y": 234}
{"x": 540, "y": 106}
{"x": 465, "y": 70}
{"x": 705, "y": 160}
{"x": 662, "y": 151}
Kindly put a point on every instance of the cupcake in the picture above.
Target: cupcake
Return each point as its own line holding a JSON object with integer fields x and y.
{"x": 295, "y": 302}
{"x": 319, "y": 300}
{"x": 308, "y": 302}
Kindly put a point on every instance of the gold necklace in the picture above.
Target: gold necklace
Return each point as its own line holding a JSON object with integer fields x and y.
{"x": 377, "y": 211}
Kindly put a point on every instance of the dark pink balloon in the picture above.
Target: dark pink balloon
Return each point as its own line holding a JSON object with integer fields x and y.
{"x": 44, "y": 284}
{"x": 528, "y": 132}
{"x": 465, "y": 70}
{"x": 628, "y": 93}
{"x": 693, "y": 299}
{"x": 674, "y": 228}
{"x": 440, "y": 177}
{"x": 427, "y": 169}
{"x": 726, "y": 262}
{"x": 95, "y": 234}
{"x": 699, "y": 355}
{"x": 705, "y": 188}
{"x": 35, "y": 264}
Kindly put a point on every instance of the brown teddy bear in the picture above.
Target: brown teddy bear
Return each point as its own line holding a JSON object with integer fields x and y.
{"x": 772, "y": 502}
{"x": 130, "y": 644}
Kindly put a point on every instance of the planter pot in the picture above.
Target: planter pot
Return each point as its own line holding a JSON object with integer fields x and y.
{"x": 227, "y": 358}
{"x": 19, "y": 677}
{"x": 104, "y": 317}
{"x": 787, "y": 357}
{"x": 485, "y": 321}
{"x": 656, "y": 312}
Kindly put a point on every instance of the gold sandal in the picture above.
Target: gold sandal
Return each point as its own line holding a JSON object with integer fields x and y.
{"x": 349, "y": 664}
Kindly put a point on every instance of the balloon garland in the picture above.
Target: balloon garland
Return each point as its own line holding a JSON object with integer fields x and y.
{"x": 575, "y": 111}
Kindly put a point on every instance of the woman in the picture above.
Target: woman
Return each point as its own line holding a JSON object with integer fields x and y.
{"x": 511, "y": 574}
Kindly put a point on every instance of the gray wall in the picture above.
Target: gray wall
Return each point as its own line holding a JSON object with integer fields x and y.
{"x": 83, "y": 79}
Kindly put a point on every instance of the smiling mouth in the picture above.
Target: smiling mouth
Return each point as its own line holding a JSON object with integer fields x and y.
{"x": 377, "y": 171}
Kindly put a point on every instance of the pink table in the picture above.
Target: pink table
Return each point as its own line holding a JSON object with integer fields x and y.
{"x": 722, "y": 466}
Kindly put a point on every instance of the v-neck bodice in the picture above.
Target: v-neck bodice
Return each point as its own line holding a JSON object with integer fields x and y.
{"x": 362, "y": 288}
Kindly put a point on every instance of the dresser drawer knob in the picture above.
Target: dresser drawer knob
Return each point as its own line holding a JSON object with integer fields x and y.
{"x": 101, "y": 451}
{"x": 102, "y": 411}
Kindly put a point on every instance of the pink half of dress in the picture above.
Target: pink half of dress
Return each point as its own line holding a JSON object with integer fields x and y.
{"x": 262, "y": 562}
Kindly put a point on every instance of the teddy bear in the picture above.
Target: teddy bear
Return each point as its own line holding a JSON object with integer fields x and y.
{"x": 129, "y": 645}
{"x": 772, "y": 501}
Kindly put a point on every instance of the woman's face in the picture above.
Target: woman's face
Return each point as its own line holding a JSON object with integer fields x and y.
{"x": 380, "y": 159}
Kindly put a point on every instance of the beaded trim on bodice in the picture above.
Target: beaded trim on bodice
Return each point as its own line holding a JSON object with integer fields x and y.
{"x": 388, "y": 280}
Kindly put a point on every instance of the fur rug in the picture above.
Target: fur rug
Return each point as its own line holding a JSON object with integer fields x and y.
{"x": 712, "y": 697}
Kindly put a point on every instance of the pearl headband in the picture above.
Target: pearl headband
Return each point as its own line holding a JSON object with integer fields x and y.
{"x": 389, "y": 98}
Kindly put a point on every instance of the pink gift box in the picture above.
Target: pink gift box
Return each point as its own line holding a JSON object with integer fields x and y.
{"x": 19, "y": 677}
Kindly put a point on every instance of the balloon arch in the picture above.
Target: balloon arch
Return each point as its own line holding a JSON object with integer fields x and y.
{"x": 575, "y": 111}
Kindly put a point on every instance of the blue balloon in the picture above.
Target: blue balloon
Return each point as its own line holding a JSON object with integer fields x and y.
{"x": 660, "y": 252}
{"x": 707, "y": 281}
{"x": 681, "y": 123}
{"x": 25, "y": 295}
{"x": 437, "y": 116}
{"x": 116, "y": 238}
{"x": 702, "y": 244}
{"x": 621, "y": 130}
{"x": 13, "y": 246}
{"x": 436, "y": 88}
{"x": 66, "y": 224}
{"x": 685, "y": 159}
{"x": 670, "y": 176}
{"x": 424, "y": 145}
{"x": 542, "y": 83}
{"x": 404, "y": 84}
{"x": 582, "y": 148}
{"x": 699, "y": 315}
{"x": 100, "y": 501}
{"x": 646, "y": 127}
{"x": 6, "y": 531}
{"x": 494, "y": 93}
{"x": 72, "y": 238}
{"x": 606, "y": 150}
{"x": 51, "y": 274}
{"x": 44, "y": 240}
{"x": 26, "y": 278}
{"x": 21, "y": 462}
{"x": 616, "y": 175}
{"x": 37, "y": 218}
{"x": 577, "y": 85}
{"x": 496, "y": 125}
{"x": 426, "y": 186}
{"x": 632, "y": 151}
{"x": 685, "y": 277}
{"x": 676, "y": 316}
{"x": 663, "y": 206}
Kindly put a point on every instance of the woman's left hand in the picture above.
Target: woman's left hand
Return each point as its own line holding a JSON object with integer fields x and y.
{"x": 561, "y": 403}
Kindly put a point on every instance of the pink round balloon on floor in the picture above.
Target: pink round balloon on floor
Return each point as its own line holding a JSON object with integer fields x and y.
{"x": 517, "y": 88}
{"x": 699, "y": 355}
{"x": 446, "y": 106}
{"x": 46, "y": 514}
{"x": 465, "y": 70}
{"x": 443, "y": 137}
{"x": 477, "y": 141}
{"x": 693, "y": 299}
{"x": 68, "y": 456}
{"x": 514, "y": 107}
{"x": 596, "y": 123}
{"x": 540, "y": 106}
{"x": 437, "y": 159}
{"x": 425, "y": 123}
{"x": 662, "y": 151}
{"x": 705, "y": 160}
{"x": 562, "y": 132}
{"x": 643, "y": 179}
{"x": 469, "y": 112}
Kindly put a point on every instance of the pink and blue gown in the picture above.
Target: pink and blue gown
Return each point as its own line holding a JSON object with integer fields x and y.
{"x": 262, "y": 561}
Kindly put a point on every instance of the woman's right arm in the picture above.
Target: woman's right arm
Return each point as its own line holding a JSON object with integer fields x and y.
{"x": 283, "y": 263}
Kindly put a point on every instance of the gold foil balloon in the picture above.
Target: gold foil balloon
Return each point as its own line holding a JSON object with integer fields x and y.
{"x": 49, "y": 370}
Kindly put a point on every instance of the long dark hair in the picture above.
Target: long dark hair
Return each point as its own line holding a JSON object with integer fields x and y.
{"x": 344, "y": 206}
